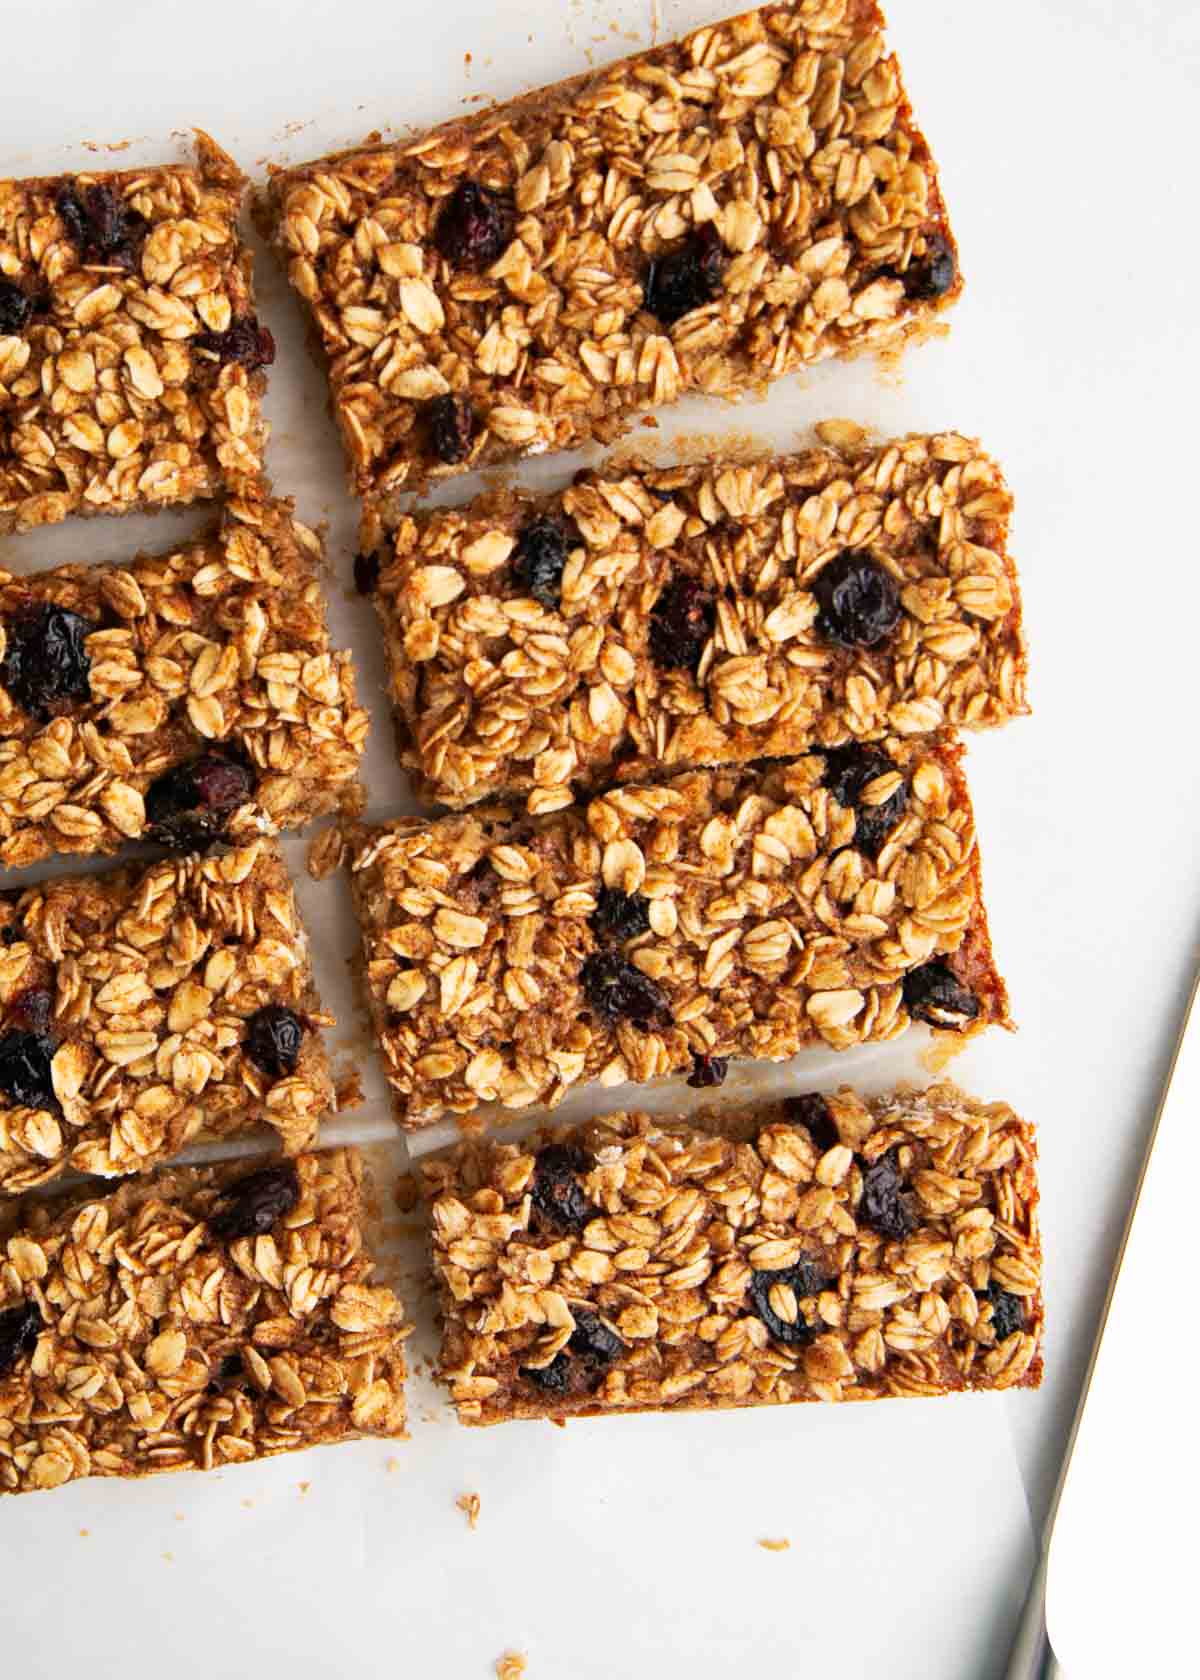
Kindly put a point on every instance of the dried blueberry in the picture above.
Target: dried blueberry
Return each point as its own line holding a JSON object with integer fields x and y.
{"x": 46, "y": 665}
{"x": 617, "y": 991}
{"x": 806, "y": 1277}
{"x": 451, "y": 427}
{"x": 934, "y": 993}
{"x": 25, "y": 1076}
{"x": 366, "y": 573}
{"x": 687, "y": 277}
{"x": 680, "y": 625}
{"x": 593, "y": 1344}
{"x": 859, "y": 601}
{"x": 187, "y": 807}
{"x": 850, "y": 769}
{"x": 708, "y": 1070}
{"x": 244, "y": 340}
{"x": 228, "y": 1374}
{"x": 813, "y": 1113}
{"x": 273, "y": 1039}
{"x": 934, "y": 274}
{"x": 102, "y": 228}
{"x": 474, "y": 225}
{"x": 31, "y": 1009}
{"x": 1008, "y": 1311}
{"x": 884, "y": 1206}
{"x": 554, "y": 1378}
{"x": 542, "y": 550}
{"x": 619, "y": 915}
{"x": 16, "y": 306}
{"x": 254, "y": 1203}
{"x": 20, "y": 1327}
{"x": 558, "y": 1200}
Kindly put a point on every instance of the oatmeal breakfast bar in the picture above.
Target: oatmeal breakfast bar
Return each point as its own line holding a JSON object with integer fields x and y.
{"x": 652, "y": 618}
{"x": 145, "y": 1008}
{"x": 825, "y": 1248}
{"x": 723, "y": 913}
{"x": 203, "y": 1317}
{"x": 702, "y": 217}
{"x": 130, "y": 353}
{"x": 181, "y": 697}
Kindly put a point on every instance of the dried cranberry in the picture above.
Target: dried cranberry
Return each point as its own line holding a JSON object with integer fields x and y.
{"x": 474, "y": 225}
{"x": 687, "y": 277}
{"x": 16, "y": 306}
{"x": 451, "y": 427}
{"x": 244, "y": 340}
{"x": 25, "y": 1076}
{"x": 1008, "y": 1311}
{"x": 813, "y": 1113}
{"x": 934, "y": 274}
{"x": 254, "y": 1203}
{"x": 99, "y": 224}
{"x": 46, "y": 665}
{"x": 274, "y": 1036}
{"x": 32, "y": 1008}
{"x": 848, "y": 771}
{"x": 558, "y": 1200}
{"x": 884, "y": 1206}
{"x": 806, "y": 1277}
{"x": 680, "y": 625}
{"x": 366, "y": 573}
{"x": 619, "y": 915}
{"x": 20, "y": 1327}
{"x": 708, "y": 1070}
{"x": 187, "y": 807}
{"x": 229, "y": 1373}
{"x": 617, "y": 991}
{"x": 858, "y": 598}
{"x": 933, "y": 993}
{"x": 592, "y": 1348}
{"x": 541, "y": 557}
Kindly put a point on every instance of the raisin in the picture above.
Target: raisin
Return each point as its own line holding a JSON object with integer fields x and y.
{"x": 1008, "y": 1311}
{"x": 850, "y": 769}
{"x": 20, "y": 1327}
{"x": 708, "y": 1070}
{"x": 100, "y": 225}
{"x": 16, "y": 306}
{"x": 618, "y": 991}
{"x": 859, "y": 601}
{"x": 254, "y": 1203}
{"x": 884, "y": 1207}
{"x": 46, "y": 666}
{"x": 244, "y": 340}
{"x": 451, "y": 427}
{"x": 554, "y": 1378}
{"x": 32, "y": 1008}
{"x": 542, "y": 550}
{"x": 591, "y": 1350}
{"x": 619, "y": 915}
{"x": 187, "y": 807}
{"x": 474, "y": 225}
{"x": 934, "y": 274}
{"x": 680, "y": 625}
{"x": 558, "y": 1200}
{"x": 687, "y": 277}
{"x": 25, "y": 1077}
{"x": 366, "y": 573}
{"x": 273, "y": 1039}
{"x": 933, "y": 993}
{"x": 806, "y": 1277}
{"x": 813, "y": 1112}
{"x": 228, "y": 1374}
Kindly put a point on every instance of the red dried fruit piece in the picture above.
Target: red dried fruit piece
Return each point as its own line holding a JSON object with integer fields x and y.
{"x": 245, "y": 340}
{"x": 687, "y": 277}
{"x": 680, "y": 625}
{"x": 187, "y": 807}
{"x": 707, "y": 1071}
{"x": 474, "y": 225}
{"x": 451, "y": 423}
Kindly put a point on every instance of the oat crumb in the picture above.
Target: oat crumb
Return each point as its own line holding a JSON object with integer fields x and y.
{"x": 776, "y": 1545}
{"x": 304, "y": 1486}
{"x": 468, "y": 1503}
{"x": 406, "y": 1192}
{"x": 511, "y": 1666}
{"x": 85, "y": 1532}
{"x": 392, "y": 1465}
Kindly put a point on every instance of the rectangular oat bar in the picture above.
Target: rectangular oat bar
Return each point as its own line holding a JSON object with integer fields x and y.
{"x": 651, "y": 618}
{"x": 130, "y": 353}
{"x": 744, "y": 912}
{"x": 145, "y": 1008}
{"x": 820, "y": 1249}
{"x": 204, "y": 1317}
{"x": 702, "y": 217}
{"x": 180, "y": 697}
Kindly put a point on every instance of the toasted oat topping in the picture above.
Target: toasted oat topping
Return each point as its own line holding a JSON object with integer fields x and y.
{"x": 162, "y": 1347}
{"x": 220, "y": 645}
{"x": 116, "y": 390}
{"x": 764, "y": 927}
{"x": 702, "y": 217}
{"x": 141, "y": 986}
{"x": 687, "y": 622}
{"x": 733, "y": 1261}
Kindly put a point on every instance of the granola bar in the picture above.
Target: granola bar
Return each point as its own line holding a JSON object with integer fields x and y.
{"x": 181, "y": 697}
{"x": 130, "y": 353}
{"x": 720, "y": 913}
{"x": 823, "y": 1249}
{"x": 150, "y": 1006}
{"x": 653, "y": 618}
{"x": 201, "y": 1318}
{"x": 702, "y": 217}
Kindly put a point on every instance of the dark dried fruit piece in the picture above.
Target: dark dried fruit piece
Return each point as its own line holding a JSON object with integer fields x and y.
{"x": 46, "y": 665}
{"x": 687, "y": 277}
{"x": 848, "y": 771}
{"x": 31, "y": 1009}
{"x": 451, "y": 427}
{"x": 20, "y": 1327}
{"x": 617, "y": 991}
{"x": 619, "y": 915}
{"x": 557, "y": 1196}
{"x": 934, "y": 993}
{"x": 813, "y": 1112}
{"x": 885, "y": 1207}
{"x": 102, "y": 228}
{"x": 591, "y": 1350}
{"x": 16, "y": 306}
{"x": 187, "y": 807}
{"x": 474, "y": 225}
{"x": 859, "y": 601}
{"x": 933, "y": 274}
{"x": 1008, "y": 1311}
{"x": 25, "y": 1076}
{"x": 708, "y": 1070}
{"x": 680, "y": 625}
{"x": 228, "y": 1374}
{"x": 806, "y": 1277}
{"x": 254, "y": 1203}
{"x": 366, "y": 572}
{"x": 244, "y": 340}
{"x": 541, "y": 556}
{"x": 274, "y": 1036}
{"x": 554, "y": 1378}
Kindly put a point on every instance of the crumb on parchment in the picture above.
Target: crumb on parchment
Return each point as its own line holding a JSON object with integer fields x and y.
{"x": 468, "y": 1504}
